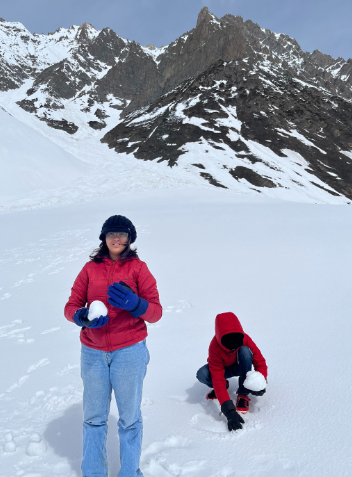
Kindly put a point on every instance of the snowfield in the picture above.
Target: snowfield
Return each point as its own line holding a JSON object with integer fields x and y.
{"x": 30, "y": 161}
{"x": 282, "y": 267}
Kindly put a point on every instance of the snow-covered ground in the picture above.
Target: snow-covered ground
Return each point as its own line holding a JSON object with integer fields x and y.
{"x": 31, "y": 162}
{"x": 283, "y": 268}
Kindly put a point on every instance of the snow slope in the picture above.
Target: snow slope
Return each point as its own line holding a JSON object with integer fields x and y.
{"x": 105, "y": 172}
{"x": 29, "y": 161}
{"x": 283, "y": 268}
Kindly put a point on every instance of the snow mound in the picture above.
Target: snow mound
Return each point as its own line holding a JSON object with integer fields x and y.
{"x": 10, "y": 444}
{"x": 97, "y": 309}
{"x": 36, "y": 446}
{"x": 254, "y": 381}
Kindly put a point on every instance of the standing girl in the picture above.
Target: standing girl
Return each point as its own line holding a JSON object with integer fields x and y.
{"x": 114, "y": 353}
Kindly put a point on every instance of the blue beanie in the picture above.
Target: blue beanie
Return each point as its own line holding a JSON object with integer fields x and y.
{"x": 118, "y": 223}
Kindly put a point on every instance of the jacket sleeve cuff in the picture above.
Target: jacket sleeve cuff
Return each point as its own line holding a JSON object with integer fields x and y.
{"x": 141, "y": 308}
{"x": 227, "y": 406}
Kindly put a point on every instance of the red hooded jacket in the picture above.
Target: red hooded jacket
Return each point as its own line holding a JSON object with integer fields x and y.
{"x": 220, "y": 357}
{"x": 122, "y": 329}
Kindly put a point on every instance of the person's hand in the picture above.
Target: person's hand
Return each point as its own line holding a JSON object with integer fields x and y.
{"x": 234, "y": 420}
{"x": 258, "y": 393}
{"x": 122, "y": 297}
{"x": 80, "y": 318}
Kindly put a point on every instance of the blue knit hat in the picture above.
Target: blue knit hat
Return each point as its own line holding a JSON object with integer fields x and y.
{"x": 118, "y": 223}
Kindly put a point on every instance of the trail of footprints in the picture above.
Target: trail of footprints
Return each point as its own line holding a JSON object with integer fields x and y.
{"x": 168, "y": 457}
{"x": 47, "y": 256}
{"x": 21, "y": 431}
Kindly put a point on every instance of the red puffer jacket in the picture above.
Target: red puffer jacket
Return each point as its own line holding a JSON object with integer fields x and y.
{"x": 220, "y": 357}
{"x": 122, "y": 329}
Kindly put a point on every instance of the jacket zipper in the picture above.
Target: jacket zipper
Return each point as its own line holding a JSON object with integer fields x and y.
{"x": 107, "y": 325}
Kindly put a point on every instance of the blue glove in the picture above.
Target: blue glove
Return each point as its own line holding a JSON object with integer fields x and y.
{"x": 122, "y": 296}
{"x": 80, "y": 318}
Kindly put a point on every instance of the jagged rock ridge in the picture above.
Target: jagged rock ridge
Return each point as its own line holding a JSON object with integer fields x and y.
{"x": 263, "y": 122}
{"x": 79, "y": 77}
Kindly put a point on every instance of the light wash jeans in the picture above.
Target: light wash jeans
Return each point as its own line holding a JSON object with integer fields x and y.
{"x": 123, "y": 371}
{"x": 239, "y": 368}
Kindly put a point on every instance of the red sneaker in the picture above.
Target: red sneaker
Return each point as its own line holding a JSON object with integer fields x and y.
{"x": 211, "y": 396}
{"x": 242, "y": 404}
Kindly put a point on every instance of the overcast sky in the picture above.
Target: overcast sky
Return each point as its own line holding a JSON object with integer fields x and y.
{"x": 316, "y": 24}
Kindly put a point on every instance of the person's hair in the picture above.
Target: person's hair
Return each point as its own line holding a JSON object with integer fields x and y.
{"x": 102, "y": 252}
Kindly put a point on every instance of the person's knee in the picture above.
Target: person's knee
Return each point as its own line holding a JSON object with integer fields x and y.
{"x": 203, "y": 375}
{"x": 128, "y": 424}
{"x": 96, "y": 421}
{"x": 245, "y": 353}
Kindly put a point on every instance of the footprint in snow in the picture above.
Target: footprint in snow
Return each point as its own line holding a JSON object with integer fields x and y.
{"x": 8, "y": 332}
{"x": 154, "y": 455}
{"x": 58, "y": 270}
{"x": 5, "y": 296}
{"x": 180, "y": 307}
{"x": 168, "y": 443}
{"x": 69, "y": 368}
{"x": 27, "y": 341}
{"x": 51, "y": 330}
{"x": 39, "y": 364}
{"x": 19, "y": 383}
{"x": 29, "y": 279}
{"x": 147, "y": 402}
{"x": 159, "y": 467}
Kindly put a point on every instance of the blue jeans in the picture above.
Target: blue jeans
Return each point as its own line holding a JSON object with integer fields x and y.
{"x": 123, "y": 371}
{"x": 239, "y": 368}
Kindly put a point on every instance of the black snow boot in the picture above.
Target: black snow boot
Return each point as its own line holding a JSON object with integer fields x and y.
{"x": 211, "y": 396}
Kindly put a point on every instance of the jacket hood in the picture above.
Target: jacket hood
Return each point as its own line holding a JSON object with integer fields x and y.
{"x": 226, "y": 323}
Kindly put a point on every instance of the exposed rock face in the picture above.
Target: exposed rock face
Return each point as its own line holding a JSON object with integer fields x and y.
{"x": 222, "y": 87}
{"x": 97, "y": 125}
{"x": 110, "y": 65}
{"x": 231, "y": 107}
{"x": 62, "y": 125}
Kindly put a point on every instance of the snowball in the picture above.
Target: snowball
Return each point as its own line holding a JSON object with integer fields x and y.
{"x": 254, "y": 381}
{"x": 9, "y": 437}
{"x": 97, "y": 309}
{"x": 36, "y": 446}
{"x": 10, "y": 446}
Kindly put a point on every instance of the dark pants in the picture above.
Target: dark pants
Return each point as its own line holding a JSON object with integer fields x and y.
{"x": 239, "y": 368}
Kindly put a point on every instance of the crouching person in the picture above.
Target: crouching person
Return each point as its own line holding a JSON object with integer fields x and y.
{"x": 233, "y": 353}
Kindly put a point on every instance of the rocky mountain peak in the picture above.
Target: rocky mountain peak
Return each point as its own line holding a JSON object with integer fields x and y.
{"x": 2, "y": 20}
{"x": 85, "y": 32}
{"x": 86, "y": 26}
{"x": 204, "y": 15}
{"x": 272, "y": 91}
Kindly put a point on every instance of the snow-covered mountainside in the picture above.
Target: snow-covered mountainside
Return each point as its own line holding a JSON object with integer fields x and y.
{"x": 231, "y": 104}
{"x": 239, "y": 124}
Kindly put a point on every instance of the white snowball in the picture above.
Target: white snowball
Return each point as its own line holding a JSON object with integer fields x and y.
{"x": 97, "y": 309}
{"x": 10, "y": 446}
{"x": 9, "y": 437}
{"x": 36, "y": 446}
{"x": 36, "y": 437}
{"x": 254, "y": 381}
